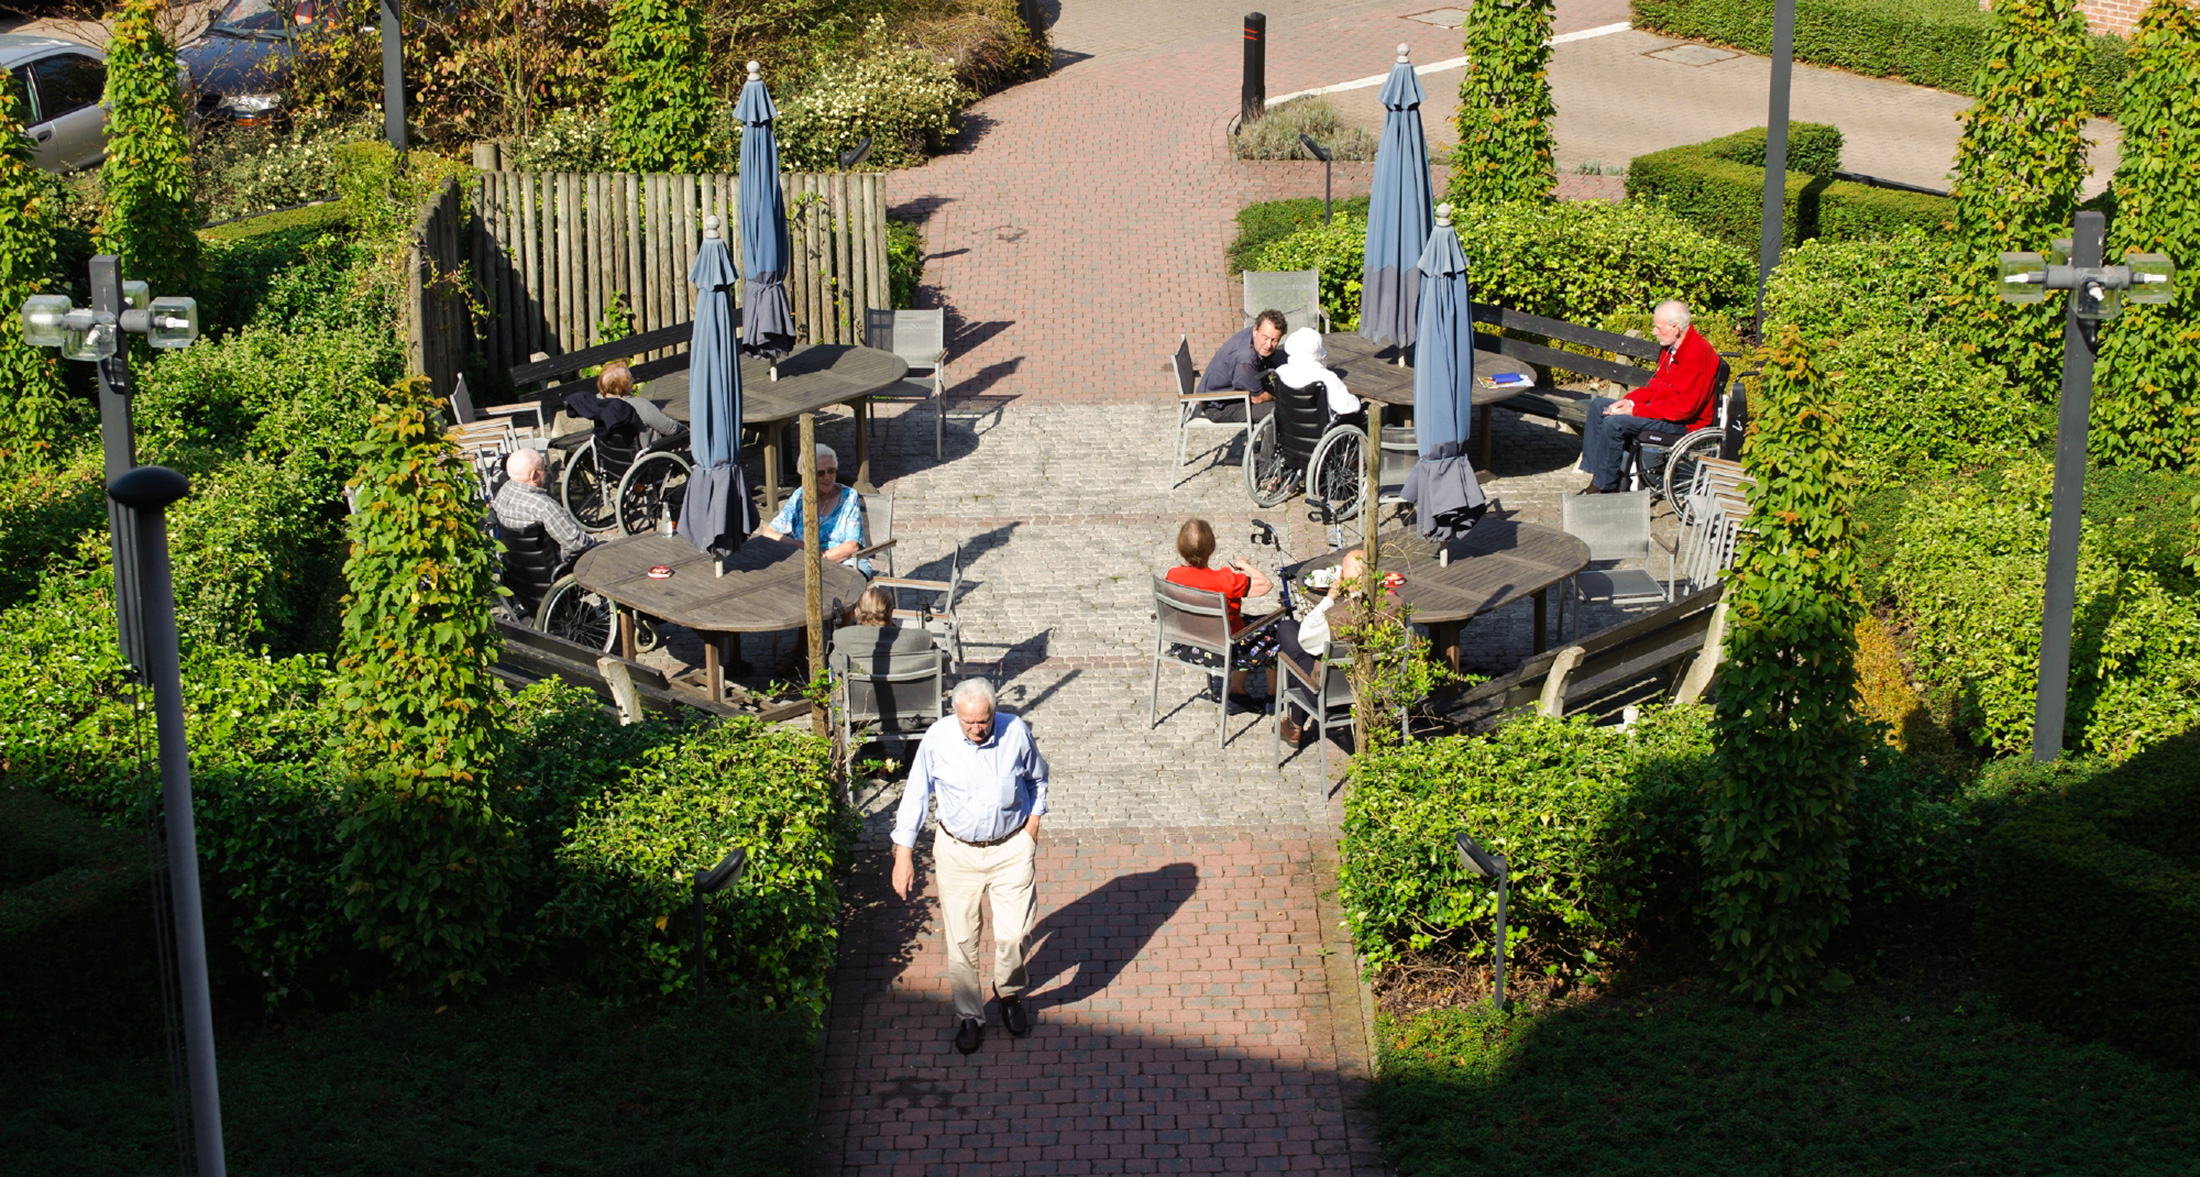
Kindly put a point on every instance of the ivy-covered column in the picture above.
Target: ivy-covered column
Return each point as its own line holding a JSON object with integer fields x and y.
{"x": 425, "y": 878}
{"x": 151, "y": 221}
{"x": 660, "y": 92}
{"x": 1506, "y": 150}
{"x": 1775, "y": 835}
{"x": 26, "y": 262}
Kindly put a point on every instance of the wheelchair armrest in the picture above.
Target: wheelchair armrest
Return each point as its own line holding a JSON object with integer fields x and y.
{"x": 573, "y": 440}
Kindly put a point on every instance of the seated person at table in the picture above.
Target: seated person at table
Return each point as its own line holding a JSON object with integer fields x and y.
{"x": 1306, "y": 640}
{"x": 839, "y": 524}
{"x": 1237, "y": 580}
{"x": 614, "y": 407}
{"x": 871, "y": 639}
{"x": 1240, "y": 363}
{"x": 525, "y": 498}
{"x": 1678, "y": 398}
{"x": 1303, "y": 367}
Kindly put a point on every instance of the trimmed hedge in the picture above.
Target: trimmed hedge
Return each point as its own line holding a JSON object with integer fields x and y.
{"x": 75, "y": 931}
{"x": 2089, "y": 904}
{"x": 1937, "y": 43}
{"x": 1719, "y": 186}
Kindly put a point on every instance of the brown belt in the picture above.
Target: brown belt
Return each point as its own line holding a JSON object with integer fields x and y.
{"x": 982, "y": 845}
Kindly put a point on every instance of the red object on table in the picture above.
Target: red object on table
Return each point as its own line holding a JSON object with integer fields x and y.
{"x": 661, "y": 572}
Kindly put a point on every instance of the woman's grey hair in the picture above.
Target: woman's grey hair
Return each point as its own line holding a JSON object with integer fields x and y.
{"x": 826, "y": 456}
{"x": 972, "y": 688}
{"x": 1672, "y": 311}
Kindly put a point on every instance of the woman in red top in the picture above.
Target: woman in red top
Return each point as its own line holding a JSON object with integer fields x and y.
{"x": 1237, "y": 580}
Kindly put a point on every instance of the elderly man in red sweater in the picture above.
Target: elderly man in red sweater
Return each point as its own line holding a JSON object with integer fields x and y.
{"x": 1678, "y": 398}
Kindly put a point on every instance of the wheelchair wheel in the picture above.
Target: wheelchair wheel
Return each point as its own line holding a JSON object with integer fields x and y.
{"x": 1266, "y": 479}
{"x": 1336, "y": 471}
{"x": 1680, "y": 468}
{"x": 658, "y": 482}
{"x": 584, "y": 491}
{"x": 571, "y": 612}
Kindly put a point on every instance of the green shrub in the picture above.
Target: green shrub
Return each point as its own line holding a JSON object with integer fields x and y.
{"x": 1937, "y": 43}
{"x": 1917, "y": 407}
{"x": 1969, "y": 565}
{"x": 2143, "y": 411}
{"x": 582, "y": 139}
{"x": 1832, "y": 289}
{"x": 1576, "y": 261}
{"x": 297, "y": 268}
{"x": 904, "y": 98}
{"x": 1719, "y": 187}
{"x": 567, "y": 750}
{"x": 76, "y": 939}
{"x": 660, "y": 100}
{"x": 27, "y": 260}
{"x": 1269, "y": 221}
{"x": 1775, "y": 837}
{"x": 150, "y": 216}
{"x": 628, "y": 865}
{"x": 237, "y": 172}
{"x": 1275, "y": 134}
{"x": 904, "y": 262}
{"x": 1506, "y": 150}
{"x": 1596, "y": 825}
{"x": 2089, "y": 904}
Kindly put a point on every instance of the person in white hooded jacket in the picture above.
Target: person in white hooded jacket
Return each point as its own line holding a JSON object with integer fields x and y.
{"x": 1303, "y": 354}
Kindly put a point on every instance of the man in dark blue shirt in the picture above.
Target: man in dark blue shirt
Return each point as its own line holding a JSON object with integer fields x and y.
{"x": 1240, "y": 363}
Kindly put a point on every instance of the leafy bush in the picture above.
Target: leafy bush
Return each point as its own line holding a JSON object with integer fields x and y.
{"x": 75, "y": 953}
{"x": 1719, "y": 187}
{"x": 904, "y": 263}
{"x": 987, "y": 42}
{"x": 1275, "y": 134}
{"x": 1968, "y": 570}
{"x": 581, "y": 139}
{"x": 1596, "y": 825}
{"x": 659, "y": 97}
{"x": 1832, "y": 289}
{"x": 1506, "y": 150}
{"x": 147, "y": 177}
{"x": 237, "y": 172}
{"x": 2089, "y": 903}
{"x": 904, "y": 98}
{"x": 1775, "y": 837}
{"x": 2150, "y": 358}
{"x": 1576, "y": 261}
{"x": 632, "y": 853}
{"x": 26, "y": 263}
{"x": 1916, "y": 407}
{"x": 298, "y": 268}
{"x": 1268, "y": 221}
{"x": 1937, "y": 43}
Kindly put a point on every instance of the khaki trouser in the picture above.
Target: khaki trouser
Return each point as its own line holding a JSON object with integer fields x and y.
{"x": 1010, "y": 872}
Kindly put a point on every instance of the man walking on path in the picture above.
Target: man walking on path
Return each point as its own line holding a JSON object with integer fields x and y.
{"x": 992, "y": 786}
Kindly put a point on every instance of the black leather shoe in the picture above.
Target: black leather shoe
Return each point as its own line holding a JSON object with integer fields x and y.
{"x": 1015, "y": 1017}
{"x": 969, "y": 1035}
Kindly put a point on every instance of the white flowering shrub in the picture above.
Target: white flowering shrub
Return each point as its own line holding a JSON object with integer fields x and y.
{"x": 241, "y": 172}
{"x": 905, "y": 99}
{"x": 572, "y": 139}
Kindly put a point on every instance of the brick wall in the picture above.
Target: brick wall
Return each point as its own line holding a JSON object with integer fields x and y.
{"x": 2111, "y": 16}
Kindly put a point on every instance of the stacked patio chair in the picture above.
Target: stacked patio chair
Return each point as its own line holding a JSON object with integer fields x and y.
{"x": 1718, "y": 509}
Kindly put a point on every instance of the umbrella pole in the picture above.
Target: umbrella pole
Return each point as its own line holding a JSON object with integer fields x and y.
{"x": 813, "y": 577}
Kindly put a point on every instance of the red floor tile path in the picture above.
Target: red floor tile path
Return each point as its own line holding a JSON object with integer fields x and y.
{"x": 1196, "y": 1013}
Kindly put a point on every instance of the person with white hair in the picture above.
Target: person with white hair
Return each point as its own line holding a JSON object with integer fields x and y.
{"x": 991, "y": 784}
{"x": 839, "y": 521}
{"x": 1678, "y": 398}
{"x": 1303, "y": 366}
{"x": 525, "y": 498}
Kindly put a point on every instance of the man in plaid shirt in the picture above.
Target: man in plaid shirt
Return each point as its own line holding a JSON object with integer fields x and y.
{"x": 525, "y": 499}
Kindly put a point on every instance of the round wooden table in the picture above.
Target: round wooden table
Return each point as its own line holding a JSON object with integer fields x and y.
{"x": 812, "y": 377}
{"x": 1497, "y": 564}
{"x": 1373, "y": 373}
{"x": 761, "y": 591}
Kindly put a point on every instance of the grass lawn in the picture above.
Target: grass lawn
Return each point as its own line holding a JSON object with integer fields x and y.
{"x": 524, "y": 1084}
{"x": 1678, "y": 1082}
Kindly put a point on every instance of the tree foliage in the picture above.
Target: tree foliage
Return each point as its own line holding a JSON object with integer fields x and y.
{"x": 660, "y": 95}
{"x": 2018, "y": 168}
{"x": 425, "y": 873}
{"x": 2143, "y": 408}
{"x": 1776, "y": 828}
{"x": 151, "y": 222}
{"x": 26, "y": 259}
{"x": 1506, "y": 149}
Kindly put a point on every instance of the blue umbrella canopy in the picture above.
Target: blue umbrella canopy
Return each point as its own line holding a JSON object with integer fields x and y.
{"x": 1397, "y": 213}
{"x": 768, "y": 324}
{"x": 716, "y": 513}
{"x": 1443, "y": 360}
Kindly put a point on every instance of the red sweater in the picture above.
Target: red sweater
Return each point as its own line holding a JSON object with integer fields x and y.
{"x": 1683, "y": 388}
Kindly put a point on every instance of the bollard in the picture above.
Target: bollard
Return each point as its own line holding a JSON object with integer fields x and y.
{"x": 1254, "y": 99}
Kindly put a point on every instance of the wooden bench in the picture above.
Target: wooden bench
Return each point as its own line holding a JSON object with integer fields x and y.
{"x": 560, "y": 375}
{"x": 631, "y": 688}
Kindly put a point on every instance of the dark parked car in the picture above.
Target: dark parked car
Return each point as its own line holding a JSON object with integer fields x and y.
{"x": 58, "y": 85}
{"x": 241, "y": 65}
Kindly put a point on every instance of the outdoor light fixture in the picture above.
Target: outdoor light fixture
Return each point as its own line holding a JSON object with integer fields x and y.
{"x": 1323, "y": 154}
{"x": 855, "y": 155}
{"x": 2098, "y": 293}
{"x": 717, "y": 878}
{"x": 49, "y": 321}
{"x": 1484, "y": 864}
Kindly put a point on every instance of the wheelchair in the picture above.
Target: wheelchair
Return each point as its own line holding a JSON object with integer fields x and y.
{"x": 546, "y": 596}
{"x": 611, "y": 479}
{"x": 1302, "y": 445}
{"x": 1664, "y": 461}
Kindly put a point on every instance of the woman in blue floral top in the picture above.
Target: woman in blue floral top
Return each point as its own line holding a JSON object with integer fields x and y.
{"x": 839, "y": 525}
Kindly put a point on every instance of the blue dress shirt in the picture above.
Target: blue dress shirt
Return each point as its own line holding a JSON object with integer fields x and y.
{"x": 986, "y": 790}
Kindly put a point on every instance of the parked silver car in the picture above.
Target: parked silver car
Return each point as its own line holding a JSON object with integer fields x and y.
{"x": 58, "y": 85}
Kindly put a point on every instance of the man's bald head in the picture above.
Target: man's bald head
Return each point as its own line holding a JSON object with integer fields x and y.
{"x": 525, "y": 466}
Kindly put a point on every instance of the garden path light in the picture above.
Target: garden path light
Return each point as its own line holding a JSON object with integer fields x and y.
{"x": 1492, "y": 866}
{"x": 717, "y": 878}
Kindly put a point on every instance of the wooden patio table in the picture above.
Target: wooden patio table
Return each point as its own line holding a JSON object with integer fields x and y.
{"x": 1496, "y": 564}
{"x": 761, "y": 592}
{"x": 1373, "y": 373}
{"x": 812, "y": 377}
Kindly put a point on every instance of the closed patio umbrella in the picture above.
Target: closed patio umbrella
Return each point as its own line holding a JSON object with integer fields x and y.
{"x": 1397, "y": 214}
{"x": 1447, "y": 498}
{"x": 717, "y": 515}
{"x": 768, "y": 318}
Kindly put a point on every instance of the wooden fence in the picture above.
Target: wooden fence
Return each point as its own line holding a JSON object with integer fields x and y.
{"x": 554, "y": 250}
{"x": 437, "y": 332}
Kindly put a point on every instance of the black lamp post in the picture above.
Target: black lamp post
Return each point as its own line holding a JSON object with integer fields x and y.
{"x": 717, "y": 878}
{"x": 1776, "y": 149}
{"x": 393, "y": 76}
{"x": 855, "y": 155}
{"x": 2098, "y": 293}
{"x": 1321, "y": 153}
{"x": 1490, "y": 866}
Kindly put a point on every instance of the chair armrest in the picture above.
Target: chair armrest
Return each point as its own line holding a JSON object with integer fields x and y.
{"x": 930, "y": 586}
{"x": 1253, "y": 627}
{"x": 873, "y": 550}
{"x": 1292, "y": 669}
{"x": 1228, "y": 394}
{"x": 508, "y": 410}
{"x": 573, "y": 440}
{"x": 1669, "y": 548}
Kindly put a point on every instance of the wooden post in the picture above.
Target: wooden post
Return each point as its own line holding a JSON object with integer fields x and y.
{"x": 813, "y": 577}
{"x": 1363, "y": 659}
